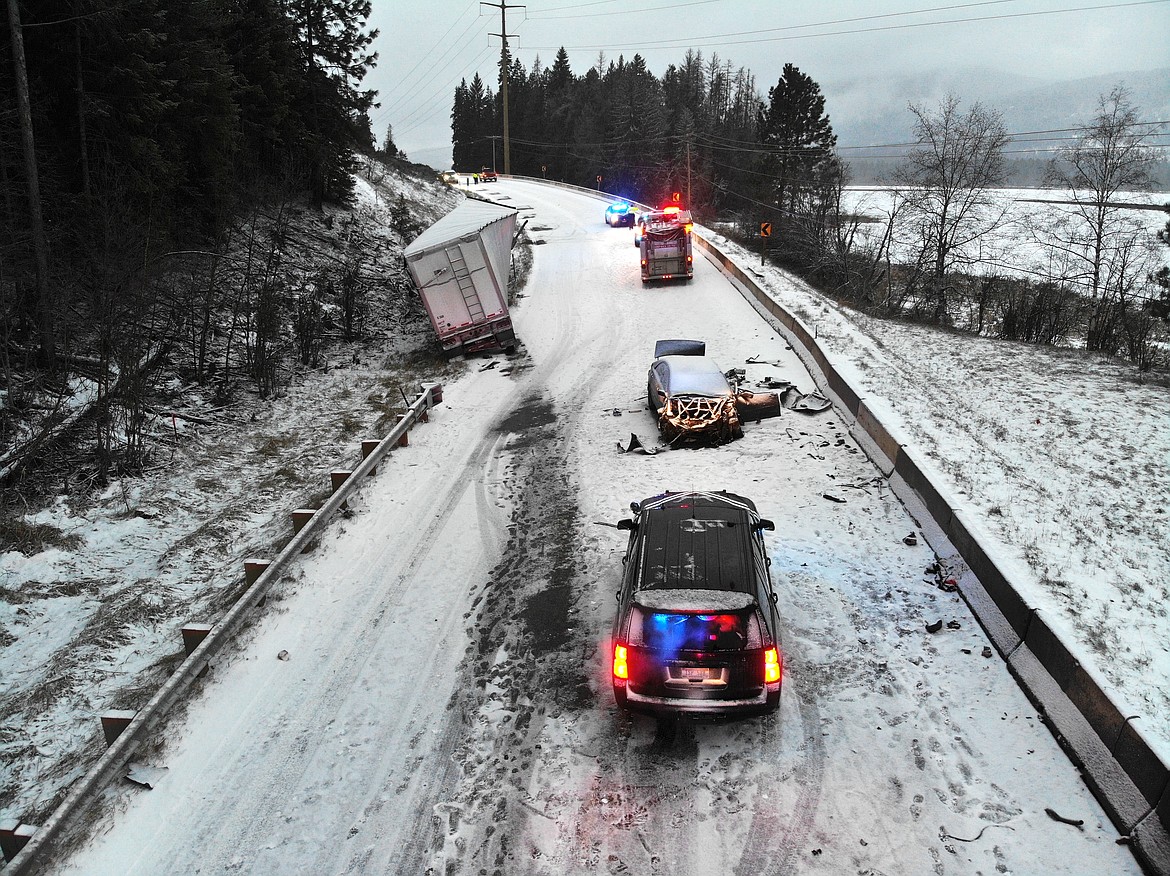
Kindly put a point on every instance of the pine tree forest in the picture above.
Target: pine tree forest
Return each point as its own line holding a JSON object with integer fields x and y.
{"x": 701, "y": 130}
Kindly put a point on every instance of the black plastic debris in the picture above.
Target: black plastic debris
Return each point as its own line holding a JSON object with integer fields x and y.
{"x": 637, "y": 446}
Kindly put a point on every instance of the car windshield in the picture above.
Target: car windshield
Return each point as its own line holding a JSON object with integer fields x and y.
{"x": 696, "y": 375}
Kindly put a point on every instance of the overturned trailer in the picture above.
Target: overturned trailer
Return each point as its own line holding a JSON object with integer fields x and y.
{"x": 460, "y": 267}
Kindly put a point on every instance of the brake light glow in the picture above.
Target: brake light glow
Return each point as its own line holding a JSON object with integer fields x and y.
{"x": 689, "y": 226}
{"x": 621, "y": 666}
{"x": 672, "y": 209}
{"x": 771, "y": 665}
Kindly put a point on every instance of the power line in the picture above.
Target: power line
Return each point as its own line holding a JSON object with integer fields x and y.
{"x": 458, "y": 47}
{"x": 707, "y": 41}
{"x": 402, "y": 82}
{"x": 638, "y": 10}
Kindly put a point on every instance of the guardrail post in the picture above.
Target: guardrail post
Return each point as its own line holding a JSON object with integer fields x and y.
{"x": 193, "y": 636}
{"x": 114, "y": 722}
{"x": 404, "y": 439}
{"x": 300, "y": 517}
{"x": 369, "y": 447}
{"x": 253, "y": 569}
{"x": 14, "y": 836}
{"x": 337, "y": 478}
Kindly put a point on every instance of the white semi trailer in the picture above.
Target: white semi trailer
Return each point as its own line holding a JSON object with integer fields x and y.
{"x": 460, "y": 267}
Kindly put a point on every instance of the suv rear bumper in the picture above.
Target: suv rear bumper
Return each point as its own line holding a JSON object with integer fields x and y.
{"x": 767, "y": 701}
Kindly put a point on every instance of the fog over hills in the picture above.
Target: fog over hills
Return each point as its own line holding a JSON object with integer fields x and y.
{"x": 874, "y": 111}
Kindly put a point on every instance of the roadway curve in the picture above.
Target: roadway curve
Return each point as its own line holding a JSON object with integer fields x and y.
{"x": 442, "y": 706}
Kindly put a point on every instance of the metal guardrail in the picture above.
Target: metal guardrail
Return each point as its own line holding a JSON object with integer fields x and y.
{"x": 1098, "y": 732}
{"x": 117, "y": 756}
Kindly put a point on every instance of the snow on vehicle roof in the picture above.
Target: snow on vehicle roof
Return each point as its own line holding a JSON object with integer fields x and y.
{"x": 696, "y": 375}
{"x": 468, "y": 218}
{"x": 694, "y": 600}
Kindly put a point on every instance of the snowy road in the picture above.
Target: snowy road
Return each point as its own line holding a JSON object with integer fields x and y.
{"x": 430, "y": 694}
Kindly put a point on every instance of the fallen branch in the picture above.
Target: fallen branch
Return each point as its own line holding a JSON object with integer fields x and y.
{"x": 1078, "y": 823}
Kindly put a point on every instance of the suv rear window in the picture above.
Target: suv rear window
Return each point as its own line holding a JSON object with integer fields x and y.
{"x": 674, "y": 632}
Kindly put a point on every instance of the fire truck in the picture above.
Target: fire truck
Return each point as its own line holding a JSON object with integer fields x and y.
{"x": 666, "y": 244}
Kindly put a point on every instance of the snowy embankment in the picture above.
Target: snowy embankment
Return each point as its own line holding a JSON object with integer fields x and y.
{"x": 1059, "y": 456}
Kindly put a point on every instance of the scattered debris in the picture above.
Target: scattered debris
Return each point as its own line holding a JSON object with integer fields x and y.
{"x": 489, "y": 365}
{"x": 756, "y": 360}
{"x": 637, "y": 445}
{"x": 954, "y": 625}
{"x": 911, "y": 540}
{"x": 812, "y": 403}
{"x": 616, "y": 412}
{"x": 949, "y": 586}
{"x": 145, "y": 776}
{"x": 986, "y": 651}
{"x": 1078, "y": 823}
{"x": 283, "y": 655}
{"x": 934, "y": 627}
{"x": 832, "y": 498}
{"x": 943, "y": 835}
{"x": 769, "y": 383}
{"x": 757, "y": 406}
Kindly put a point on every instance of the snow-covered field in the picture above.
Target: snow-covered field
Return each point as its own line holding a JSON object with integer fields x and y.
{"x": 442, "y": 704}
{"x": 1025, "y": 225}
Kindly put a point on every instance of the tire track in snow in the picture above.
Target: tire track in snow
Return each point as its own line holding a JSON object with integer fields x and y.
{"x": 276, "y": 777}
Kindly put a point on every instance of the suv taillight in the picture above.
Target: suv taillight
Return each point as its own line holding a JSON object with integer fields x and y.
{"x": 771, "y": 665}
{"x": 621, "y": 666}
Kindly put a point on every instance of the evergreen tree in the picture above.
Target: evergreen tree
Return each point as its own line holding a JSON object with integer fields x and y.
{"x": 333, "y": 48}
{"x": 798, "y": 136}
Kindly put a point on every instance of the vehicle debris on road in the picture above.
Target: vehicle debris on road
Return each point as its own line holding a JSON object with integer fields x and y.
{"x": 637, "y": 445}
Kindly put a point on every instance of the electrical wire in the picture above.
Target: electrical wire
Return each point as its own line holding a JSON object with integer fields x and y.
{"x": 710, "y": 40}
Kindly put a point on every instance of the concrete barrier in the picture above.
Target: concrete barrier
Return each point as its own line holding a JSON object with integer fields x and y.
{"x": 938, "y": 505}
{"x": 1007, "y": 598}
{"x": 885, "y": 443}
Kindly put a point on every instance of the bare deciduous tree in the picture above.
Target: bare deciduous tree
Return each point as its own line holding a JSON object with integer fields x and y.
{"x": 1111, "y": 156}
{"x": 945, "y": 186}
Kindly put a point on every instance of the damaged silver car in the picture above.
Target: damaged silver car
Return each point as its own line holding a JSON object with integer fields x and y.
{"x": 692, "y": 398}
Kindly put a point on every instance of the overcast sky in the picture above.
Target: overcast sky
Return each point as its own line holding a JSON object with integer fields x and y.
{"x": 427, "y": 47}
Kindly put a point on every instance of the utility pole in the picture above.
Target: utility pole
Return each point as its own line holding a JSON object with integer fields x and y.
{"x": 504, "y": 6}
{"x": 47, "y": 319}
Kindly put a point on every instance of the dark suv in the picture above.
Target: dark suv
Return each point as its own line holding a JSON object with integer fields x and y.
{"x": 697, "y": 630}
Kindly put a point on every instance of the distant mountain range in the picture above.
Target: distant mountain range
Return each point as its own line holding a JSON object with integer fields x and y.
{"x": 873, "y": 111}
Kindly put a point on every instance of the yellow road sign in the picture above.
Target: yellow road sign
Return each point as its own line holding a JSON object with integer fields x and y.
{"x": 765, "y": 229}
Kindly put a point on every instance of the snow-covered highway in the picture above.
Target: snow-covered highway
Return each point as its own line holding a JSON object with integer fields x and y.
{"x": 430, "y": 694}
